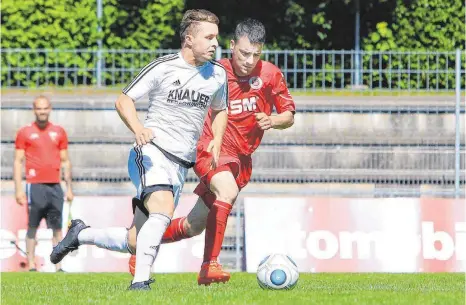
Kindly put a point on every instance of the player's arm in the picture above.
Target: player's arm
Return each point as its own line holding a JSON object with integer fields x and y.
{"x": 18, "y": 176}
{"x": 128, "y": 114}
{"x": 283, "y": 120}
{"x": 283, "y": 103}
{"x": 219, "y": 124}
{"x": 144, "y": 82}
{"x": 219, "y": 121}
{"x": 66, "y": 165}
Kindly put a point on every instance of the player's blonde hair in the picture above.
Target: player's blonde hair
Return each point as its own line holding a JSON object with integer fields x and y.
{"x": 192, "y": 18}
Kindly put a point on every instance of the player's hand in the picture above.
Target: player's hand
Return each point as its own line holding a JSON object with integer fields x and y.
{"x": 69, "y": 195}
{"x": 144, "y": 136}
{"x": 214, "y": 149}
{"x": 21, "y": 198}
{"x": 263, "y": 120}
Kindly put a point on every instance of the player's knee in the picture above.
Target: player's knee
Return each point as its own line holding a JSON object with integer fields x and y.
{"x": 131, "y": 238}
{"x": 194, "y": 228}
{"x": 224, "y": 186}
{"x": 31, "y": 233}
{"x": 57, "y": 233}
{"x": 227, "y": 194}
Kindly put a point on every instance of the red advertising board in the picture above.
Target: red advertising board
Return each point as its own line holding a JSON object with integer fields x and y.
{"x": 99, "y": 212}
{"x": 358, "y": 235}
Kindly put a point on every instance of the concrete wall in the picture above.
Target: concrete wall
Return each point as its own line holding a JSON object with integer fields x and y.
{"x": 382, "y": 139}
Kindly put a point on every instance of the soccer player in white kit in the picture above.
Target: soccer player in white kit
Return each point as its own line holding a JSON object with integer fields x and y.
{"x": 181, "y": 88}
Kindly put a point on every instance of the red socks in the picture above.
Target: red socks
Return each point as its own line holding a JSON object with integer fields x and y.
{"x": 175, "y": 231}
{"x": 215, "y": 229}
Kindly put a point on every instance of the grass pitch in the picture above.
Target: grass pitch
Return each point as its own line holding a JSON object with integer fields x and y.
{"x": 341, "y": 289}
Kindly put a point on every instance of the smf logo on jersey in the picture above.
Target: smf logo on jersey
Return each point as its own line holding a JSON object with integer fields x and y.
{"x": 53, "y": 135}
{"x": 189, "y": 98}
{"x": 255, "y": 82}
{"x": 245, "y": 104}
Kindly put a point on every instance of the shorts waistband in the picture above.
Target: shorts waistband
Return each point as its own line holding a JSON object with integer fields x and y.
{"x": 177, "y": 160}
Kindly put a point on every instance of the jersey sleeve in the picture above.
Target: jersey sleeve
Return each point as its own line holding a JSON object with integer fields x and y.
{"x": 282, "y": 99}
{"x": 63, "y": 142}
{"x": 220, "y": 99}
{"x": 145, "y": 81}
{"x": 20, "y": 142}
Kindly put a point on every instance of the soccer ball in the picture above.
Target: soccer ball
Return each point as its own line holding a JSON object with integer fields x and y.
{"x": 277, "y": 271}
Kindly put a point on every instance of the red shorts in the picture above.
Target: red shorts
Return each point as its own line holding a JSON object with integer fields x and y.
{"x": 239, "y": 166}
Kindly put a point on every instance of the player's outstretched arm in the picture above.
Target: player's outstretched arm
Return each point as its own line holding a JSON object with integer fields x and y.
{"x": 283, "y": 120}
{"x": 277, "y": 121}
{"x": 219, "y": 124}
{"x": 127, "y": 112}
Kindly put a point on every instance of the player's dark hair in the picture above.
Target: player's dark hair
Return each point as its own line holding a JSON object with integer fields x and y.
{"x": 253, "y": 29}
{"x": 192, "y": 18}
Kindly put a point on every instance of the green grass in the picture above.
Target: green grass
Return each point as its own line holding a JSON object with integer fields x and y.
{"x": 312, "y": 289}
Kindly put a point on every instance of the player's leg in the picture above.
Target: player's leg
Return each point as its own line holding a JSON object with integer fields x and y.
{"x": 119, "y": 239}
{"x": 160, "y": 206}
{"x": 54, "y": 213}
{"x": 36, "y": 204}
{"x": 115, "y": 238}
{"x": 140, "y": 217}
{"x": 223, "y": 185}
{"x": 161, "y": 183}
{"x": 180, "y": 228}
{"x": 188, "y": 226}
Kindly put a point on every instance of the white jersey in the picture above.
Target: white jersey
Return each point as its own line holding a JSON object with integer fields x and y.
{"x": 179, "y": 97}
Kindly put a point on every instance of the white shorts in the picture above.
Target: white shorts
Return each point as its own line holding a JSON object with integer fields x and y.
{"x": 150, "y": 171}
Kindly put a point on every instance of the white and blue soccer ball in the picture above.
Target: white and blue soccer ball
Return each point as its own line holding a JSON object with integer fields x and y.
{"x": 277, "y": 271}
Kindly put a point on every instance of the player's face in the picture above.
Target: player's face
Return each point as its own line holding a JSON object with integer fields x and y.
{"x": 204, "y": 41}
{"x": 245, "y": 55}
{"x": 42, "y": 110}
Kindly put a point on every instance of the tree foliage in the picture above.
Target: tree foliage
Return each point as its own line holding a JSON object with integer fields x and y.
{"x": 386, "y": 25}
{"x": 435, "y": 25}
{"x": 421, "y": 25}
{"x": 73, "y": 25}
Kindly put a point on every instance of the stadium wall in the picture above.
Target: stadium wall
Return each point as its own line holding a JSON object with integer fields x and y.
{"x": 361, "y": 146}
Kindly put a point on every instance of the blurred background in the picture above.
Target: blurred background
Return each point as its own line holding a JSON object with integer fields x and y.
{"x": 379, "y": 87}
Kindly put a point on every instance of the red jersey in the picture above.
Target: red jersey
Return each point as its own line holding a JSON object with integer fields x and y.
{"x": 261, "y": 91}
{"x": 42, "y": 150}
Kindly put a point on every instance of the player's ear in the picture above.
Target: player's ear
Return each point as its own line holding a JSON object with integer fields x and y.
{"x": 232, "y": 44}
{"x": 188, "y": 39}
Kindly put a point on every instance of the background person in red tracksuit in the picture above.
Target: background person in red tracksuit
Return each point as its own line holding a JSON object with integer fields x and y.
{"x": 44, "y": 146}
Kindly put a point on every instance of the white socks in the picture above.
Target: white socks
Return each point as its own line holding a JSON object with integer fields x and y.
{"x": 114, "y": 239}
{"x": 148, "y": 243}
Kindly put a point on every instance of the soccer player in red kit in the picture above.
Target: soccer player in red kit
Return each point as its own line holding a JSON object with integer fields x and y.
{"x": 255, "y": 88}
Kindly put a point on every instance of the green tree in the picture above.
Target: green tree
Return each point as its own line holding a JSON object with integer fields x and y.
{"x": 435, "y": 25}
{"x": 73, "y": 25}
{"x": 48, "y": 24}
{"x": 418, "y": 25}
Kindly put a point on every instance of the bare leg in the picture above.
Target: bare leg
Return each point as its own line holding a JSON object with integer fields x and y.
{"x": 31, "y": 247}
{"x": 57, "y": 237}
